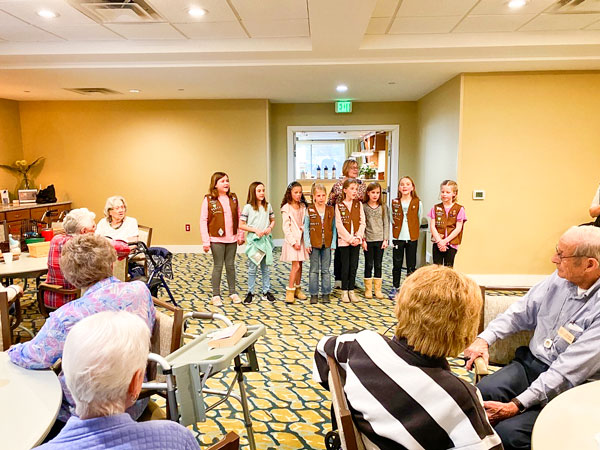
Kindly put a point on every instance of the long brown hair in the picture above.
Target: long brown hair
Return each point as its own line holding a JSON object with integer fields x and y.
{"x": 287, "y": 197}
{"x": 414, "y": 191}
{"x": 371, "y": 187}
{"x": 252, "y": 200}
{"x": 212, "y": 187}
{"x": 345, "y": 185}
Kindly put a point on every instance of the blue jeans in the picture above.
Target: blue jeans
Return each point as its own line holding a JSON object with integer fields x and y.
{"x": 320, "y": 260}
{"x": 266, "y": 276}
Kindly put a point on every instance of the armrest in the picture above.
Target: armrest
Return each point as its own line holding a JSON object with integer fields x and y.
{"x": 58, "y": 289}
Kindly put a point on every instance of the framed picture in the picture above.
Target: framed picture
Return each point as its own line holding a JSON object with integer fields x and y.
{"x": 4, "y": 196}
{"x": 27, "y": 195}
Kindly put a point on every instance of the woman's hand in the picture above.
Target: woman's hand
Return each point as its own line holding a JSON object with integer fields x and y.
{"x": 384, "y": 244}
{"x": 297, "y": 247}
{"x": 206, "y": 248}
{"x": 364, "y": 245}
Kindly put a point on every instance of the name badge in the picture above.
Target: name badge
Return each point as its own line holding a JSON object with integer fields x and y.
{"x": 566, "y": 335}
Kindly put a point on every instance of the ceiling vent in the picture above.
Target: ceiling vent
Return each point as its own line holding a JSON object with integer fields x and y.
{"x": 118, "y": 11}
{"x": 92, "y": 90}
{"x": 575, "y": 7}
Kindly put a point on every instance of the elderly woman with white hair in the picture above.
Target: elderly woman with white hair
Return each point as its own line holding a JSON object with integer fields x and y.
{"x": 86, "y": 262}
{"x": 77, "y": 221}
{"x": 104, "y": 361}
{"x": 116, "y": 224}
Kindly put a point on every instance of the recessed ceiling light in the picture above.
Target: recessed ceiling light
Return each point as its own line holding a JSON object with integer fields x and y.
{"x": 197, "y": 12}
{"x": 515, "y": 4}
{"x": 341, "y": 88}
{"x": 47, "y": 14}
{"x": 134, "y": 91}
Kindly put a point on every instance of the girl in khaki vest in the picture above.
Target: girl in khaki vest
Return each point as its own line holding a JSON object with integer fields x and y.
{"x": 221, "y": 234}
{"x": 377, "y": 233}
{"x": 446, "y": 225}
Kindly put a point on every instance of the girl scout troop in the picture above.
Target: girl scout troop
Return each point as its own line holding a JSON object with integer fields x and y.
{"x": 312, "y": 230}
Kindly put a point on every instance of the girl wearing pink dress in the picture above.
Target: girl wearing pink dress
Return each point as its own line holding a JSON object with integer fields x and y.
{"x": 293, "y": 208}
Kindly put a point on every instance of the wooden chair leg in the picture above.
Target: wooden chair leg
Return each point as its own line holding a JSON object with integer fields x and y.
{"x": 41, "y": 305}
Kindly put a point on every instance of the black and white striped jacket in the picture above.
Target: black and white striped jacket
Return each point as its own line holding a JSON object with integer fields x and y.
{"x": 401, "y": 399}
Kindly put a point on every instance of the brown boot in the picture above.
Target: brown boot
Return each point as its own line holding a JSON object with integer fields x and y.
{"x": 377, "y": 285}
{"x": 353, "y": 296}
{"x": 368, "y": 287}
{"x": 289, "y": 295}
{"x": 345, "y": 298}
{"x": 299, "y": 294}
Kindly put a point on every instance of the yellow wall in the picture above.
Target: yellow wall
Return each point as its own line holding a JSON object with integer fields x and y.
{"x": 11, "y": 148}
{"x": 158, "y": 154}
{"x": 439, "y": 126}
{"x": 283, "y": 115}
{"x": 532, "y": 141}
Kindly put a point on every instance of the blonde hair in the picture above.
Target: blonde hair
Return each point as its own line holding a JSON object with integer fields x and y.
{"x": 113, "y": 202}
{"x": 452, "y": 184}
{"x": 346, "y": 166}
{"x": 438, "y": 311}
{"x": 87, "y": 259}
{"x": 316, "y": 187}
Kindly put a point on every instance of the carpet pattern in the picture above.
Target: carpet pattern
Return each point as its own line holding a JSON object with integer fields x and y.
{"x": 289, "y": 411}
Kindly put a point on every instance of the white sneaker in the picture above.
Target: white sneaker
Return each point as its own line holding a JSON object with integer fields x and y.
{"x": 216, "y": 301}
{"x": 235, "y": 298}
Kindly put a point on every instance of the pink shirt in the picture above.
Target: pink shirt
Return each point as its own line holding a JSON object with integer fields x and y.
{"x": 344, "y": 238}
{"x": 229, "y": 237}
{"x": 460, "y": 217}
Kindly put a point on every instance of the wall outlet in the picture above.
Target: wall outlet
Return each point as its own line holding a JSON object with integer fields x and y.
{"x": 187, "y": 227}
{"x": 478, "y": 195}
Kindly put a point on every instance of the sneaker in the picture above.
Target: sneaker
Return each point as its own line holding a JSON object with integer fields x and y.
{"x": 270, "y": 297}
{"x": 314, "y": 299}
{"x": 235, "y": 298}
{"x": 216, "y": 301}
{"x": 248, "y": 298}
{"x": 393, "y": 293}
{"x": 325, "y": 298}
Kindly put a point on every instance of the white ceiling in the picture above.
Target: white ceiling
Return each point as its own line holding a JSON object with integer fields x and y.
{"x": 287, "y": 50}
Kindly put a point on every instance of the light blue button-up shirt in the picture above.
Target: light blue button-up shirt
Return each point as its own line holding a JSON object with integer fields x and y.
{"x": 548, "y": 306}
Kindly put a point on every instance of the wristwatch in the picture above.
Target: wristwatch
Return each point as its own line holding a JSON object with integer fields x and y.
{"x": 519, "y": 404}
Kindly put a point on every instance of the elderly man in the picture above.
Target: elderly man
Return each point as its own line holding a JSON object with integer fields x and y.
{"x": 104, "y": 360}
{"x": 564, "y": 312}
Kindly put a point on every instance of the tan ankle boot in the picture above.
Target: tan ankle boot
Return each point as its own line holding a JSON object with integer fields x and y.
{"x": 345, "y": 298}
{"x": 353, "y": 296}
{"x": 289, "y": 295}
{"x": 368, "y": 287}
{"x": 377, "y": 285}
{"x": 299, "y": 294}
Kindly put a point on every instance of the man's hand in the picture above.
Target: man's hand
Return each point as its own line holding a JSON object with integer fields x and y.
{"x": 478, "y": 348}
{"x": 497, "y": 411}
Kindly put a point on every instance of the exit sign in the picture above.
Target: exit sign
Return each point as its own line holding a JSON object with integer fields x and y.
{"x": 343, "y": 106}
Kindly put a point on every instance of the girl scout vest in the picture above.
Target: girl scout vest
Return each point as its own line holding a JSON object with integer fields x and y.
{"x": 446, "y": 224}
{"x": 350, "y": 218}
{"x": 412, "y": 218}
{"x": 321, "y": 228}
{"x": 216, "y": 218}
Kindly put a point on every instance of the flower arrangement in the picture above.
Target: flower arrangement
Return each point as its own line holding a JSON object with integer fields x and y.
{"x": 367, "y": 172}
{"x": 22, "y": 167}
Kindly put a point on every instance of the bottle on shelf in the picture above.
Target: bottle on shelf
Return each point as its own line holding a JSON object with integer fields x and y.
{"x": 325, "y": 173}
{"x": 333, "y": 172}
{"x": 318, "y": 172}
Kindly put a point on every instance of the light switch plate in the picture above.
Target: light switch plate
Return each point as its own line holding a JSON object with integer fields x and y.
{"x": 478, "y": 195}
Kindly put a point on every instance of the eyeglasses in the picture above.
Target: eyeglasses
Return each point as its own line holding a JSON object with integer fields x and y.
{"x": 561, "y": 257}
{"x": 117, "y": 208}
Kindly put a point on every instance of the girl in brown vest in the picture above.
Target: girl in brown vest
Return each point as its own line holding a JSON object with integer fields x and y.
{"x": 377, "y": 232}
{"x": 319, "y": 238}
{"x": 446, "y": 225}
{"x": 350, "y": 225}
{"x": 407, "y": 210}
{"x": 293, "y": 208}
{"x": 221, "y": 234}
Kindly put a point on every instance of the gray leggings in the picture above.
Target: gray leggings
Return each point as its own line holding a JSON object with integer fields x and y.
{"x": 223, "y": 254}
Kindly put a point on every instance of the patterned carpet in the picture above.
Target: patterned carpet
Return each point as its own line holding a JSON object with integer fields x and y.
{"x": 289, "y": 411}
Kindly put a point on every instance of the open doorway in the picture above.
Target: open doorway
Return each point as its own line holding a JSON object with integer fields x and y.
{"x": 318, "y": 153}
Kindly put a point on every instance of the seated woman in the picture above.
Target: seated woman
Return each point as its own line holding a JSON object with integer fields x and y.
{"x": 104, "y": 360}
{"x": 401, "y": 391}
{"x": 77, "y": 221}
{"x": 86, "y": 262}
{"x": 115, "y": 224}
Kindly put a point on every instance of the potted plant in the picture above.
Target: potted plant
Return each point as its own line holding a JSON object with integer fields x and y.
{"x": 22, "y": 167}
{"x": 367, "y": 172}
